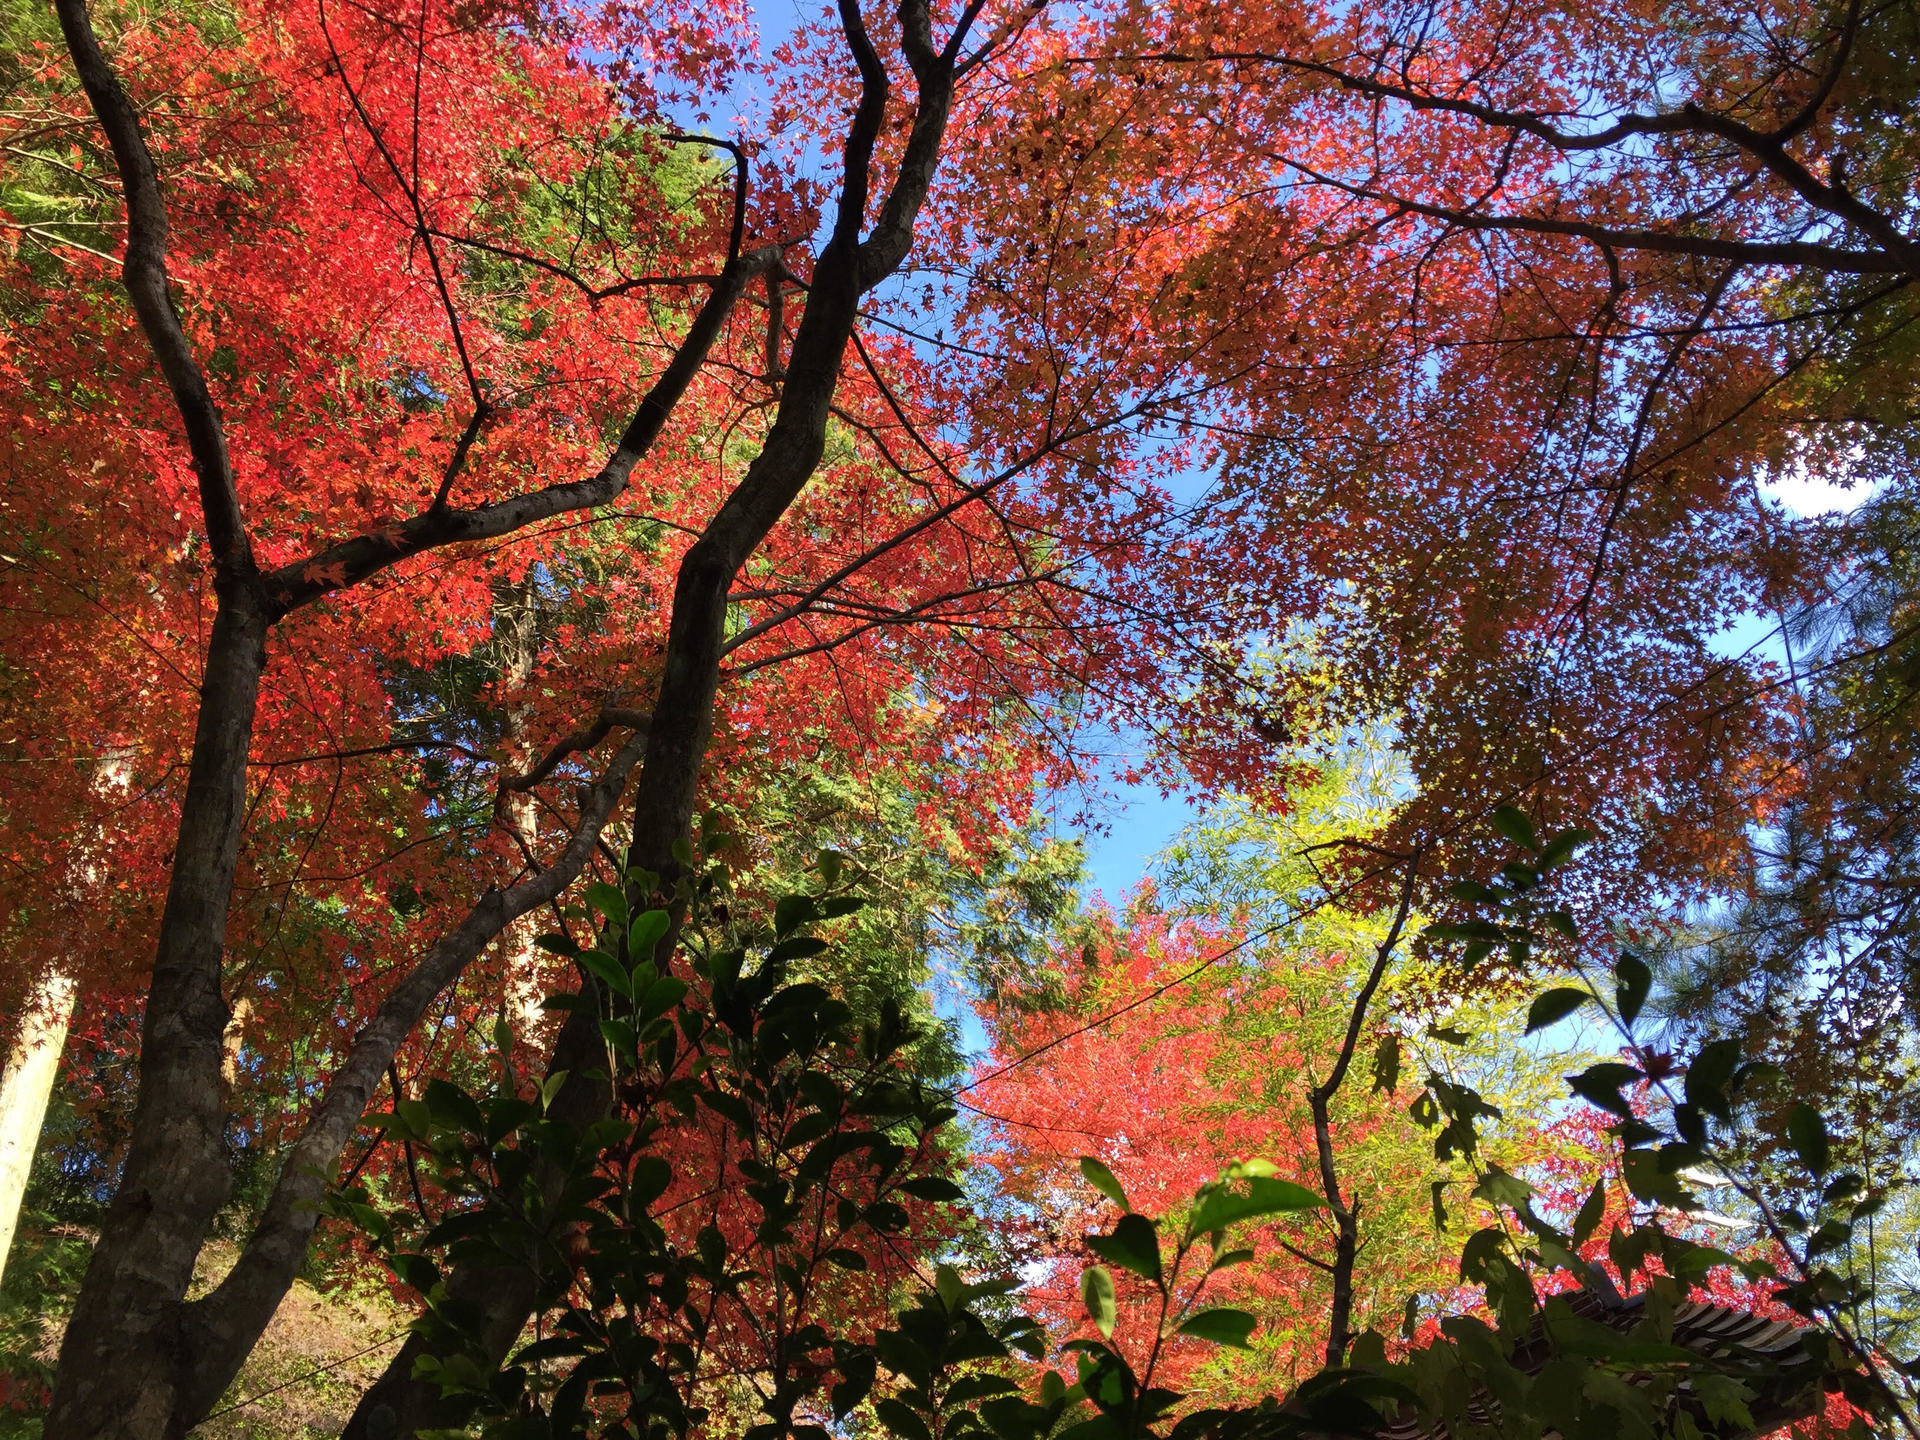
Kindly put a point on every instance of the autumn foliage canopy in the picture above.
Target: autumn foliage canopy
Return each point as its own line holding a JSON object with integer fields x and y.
{"x": 513, "y": 516}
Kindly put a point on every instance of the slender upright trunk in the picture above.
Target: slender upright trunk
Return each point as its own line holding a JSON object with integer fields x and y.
{"x": 1344, "y": 1209}
{"x": 25, "y": 1086}
{"x": 33, "y": 1063}
{"x": 516, "y": 640}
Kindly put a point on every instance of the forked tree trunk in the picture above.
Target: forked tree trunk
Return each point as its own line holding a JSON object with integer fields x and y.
{"x": 138, "y": 1360}
{"x": 25, "y": 1087}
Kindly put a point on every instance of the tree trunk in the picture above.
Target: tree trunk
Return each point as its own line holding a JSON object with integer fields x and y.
{"x": 119, "y": 1366}
{"x": 25, "y": 1086}
{"x": 516, "y": 643}
{"x": 138, "y": 1362}
{"x": 682, "y": 717}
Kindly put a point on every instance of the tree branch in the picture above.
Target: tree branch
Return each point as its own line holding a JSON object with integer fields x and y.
{"x": 610, "y": 716}
{"x": 350, "y": 561}
{"x": 226, "y": 1321}
{"x": 144, "y": 272}
{"x": 1899, "y": 253}
{"x": 1346, "y": 1211}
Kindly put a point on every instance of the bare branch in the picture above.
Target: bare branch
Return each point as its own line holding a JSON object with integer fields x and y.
{"x": 1898, "y": 253}
{"x": 737, "y": 232}
{"x": 579, "y": 740}
{"x": 1346, "y": 1211}
{"x": 226, "y": 1320}
{"x": 351, "y": 561}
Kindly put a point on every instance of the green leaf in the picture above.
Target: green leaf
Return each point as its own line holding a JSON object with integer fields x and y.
{"x": 609, "y": 970}
{"x": 1221, "y": 1204}
{"x": 1560, "y": 848}
{"x": 1480, "y": 930}
{"x": 1220, "y": 1325}
{"x": 1386, "y": 1065}
{"x": 900, "y": 1420}
{"x": 1724, "y": 1399}
{"x": 1709, "y": 1082}
{"x": 793, "y": 911}
{"x": 796, "y": 947}
{"x": 1101, "y": 1178}
{"x": 933, "y": 1187}
{"x": 1439, "y": 1188}
{"x": 1632, "y": 982}
{"x": 1553, "y": 1006}
{"x": 645, "y": 934}
{"x": 1755, "y": 1070}
{"x": 1808, "y": 1133}
{"x": 1450, "y": 1034}
{"x": 620, "y": 1036}
{"x": 1497, "y": 1187}
{"x": 1134, "y": 1245}
{"x": 1652, "y": 1182}
{"x": 454, "y": 1107}
{"x": 1592, "y": 1210}
{"x": 1600, "y": 1085}
{"x": 1844, "y": 1187}
{"x": 608, "y": 900}
{"x": 662, "y": 995}
{"x": 556, "y": 943}
{"x": 1096, "y": 1289}
{"x": 415, "y": 1120}
{"x": 1516, "y": 826}
{"x": 948, "y": 1285}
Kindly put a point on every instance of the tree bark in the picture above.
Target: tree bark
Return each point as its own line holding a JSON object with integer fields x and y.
{"x": 1345, "y": 1209}
{"x": 516, "y": 644}
{"x": 25, "y": 1087}
{"x": 119, "y": 1361}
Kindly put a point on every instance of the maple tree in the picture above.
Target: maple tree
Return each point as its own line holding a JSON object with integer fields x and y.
{"x": 403, "y": 410}
{"x": 1574, "y": 229}
{"x": 395, "y": 266}
{"x": 1205, "y": 1023}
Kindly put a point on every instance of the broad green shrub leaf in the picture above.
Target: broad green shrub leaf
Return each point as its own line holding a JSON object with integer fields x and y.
{"x": 1632, "y": 982}
{"x": 1807, "y": 1132}
{"x": 1554, "y": 1006}
{"x": 608, "y": 901}
{"x": 1221, "y": 1325}
{"x": 1134, "y": 1245}
{"x": 1096, "y": 1290}
{"x": 1102, "y": 1179}
{"x": 1224, "y": 1204}
{"x": 1516, "y": 826}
